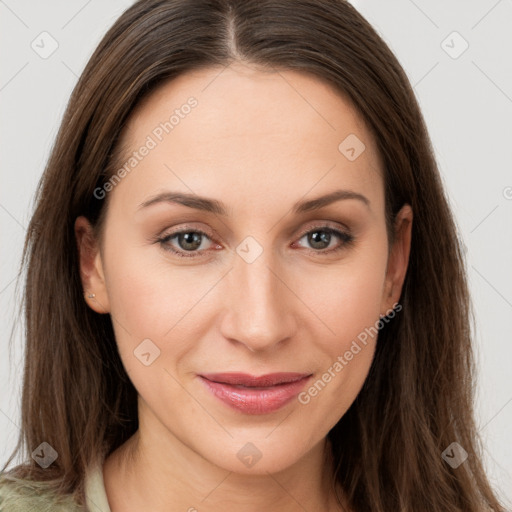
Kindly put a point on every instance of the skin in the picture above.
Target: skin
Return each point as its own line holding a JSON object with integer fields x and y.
{"x": 257, "y": 141}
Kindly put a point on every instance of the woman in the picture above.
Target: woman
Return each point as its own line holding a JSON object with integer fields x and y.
{"x": 245, "y": 288}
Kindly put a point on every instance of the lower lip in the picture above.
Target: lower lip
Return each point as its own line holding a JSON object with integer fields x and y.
{"x": 254, "y": 400}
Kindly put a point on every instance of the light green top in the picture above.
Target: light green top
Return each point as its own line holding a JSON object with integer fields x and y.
{"x": 20, "y": 495}
{"x": 95, "y": 495}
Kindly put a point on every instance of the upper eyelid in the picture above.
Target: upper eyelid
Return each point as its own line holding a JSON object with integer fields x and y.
{"x": 186, "y": 229}
{"x": 318, "y": 225}
{"x": 324, "y": 225}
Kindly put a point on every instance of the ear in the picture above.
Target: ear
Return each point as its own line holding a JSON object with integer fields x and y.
{"x": 398, "y": 259}
{"x": 91, "y": 269}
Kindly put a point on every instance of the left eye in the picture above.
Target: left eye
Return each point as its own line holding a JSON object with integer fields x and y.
{"x": 320, "y": 239}
{"x": 191, "y": 241}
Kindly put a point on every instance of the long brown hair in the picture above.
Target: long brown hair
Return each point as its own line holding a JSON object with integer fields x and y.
{"x": 418, "y": 397}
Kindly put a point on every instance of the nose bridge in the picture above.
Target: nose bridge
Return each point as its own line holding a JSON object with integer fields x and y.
{"x": 259, "y": 313}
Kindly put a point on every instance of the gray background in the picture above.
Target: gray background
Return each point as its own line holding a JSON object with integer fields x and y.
{"x": 466, "y": 99}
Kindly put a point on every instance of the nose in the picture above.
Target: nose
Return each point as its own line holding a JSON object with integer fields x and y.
{"x": 260, "y": 305}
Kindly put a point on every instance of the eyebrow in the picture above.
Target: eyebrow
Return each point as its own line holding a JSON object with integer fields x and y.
{"x": 213, "y": 206}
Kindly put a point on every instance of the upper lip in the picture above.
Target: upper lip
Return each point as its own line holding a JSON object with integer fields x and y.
{"x": 244, "y": 379}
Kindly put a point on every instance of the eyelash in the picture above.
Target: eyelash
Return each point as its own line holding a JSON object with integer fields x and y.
{"x": 347, "y": 240}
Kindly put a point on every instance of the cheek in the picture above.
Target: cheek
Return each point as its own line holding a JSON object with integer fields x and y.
{"x": 149, "y": 303}
{"x": 348, "y": 305}
{"x": 146, "y": 290}
{"x": 147, "y": 300}
{"x": 346, "y": 300}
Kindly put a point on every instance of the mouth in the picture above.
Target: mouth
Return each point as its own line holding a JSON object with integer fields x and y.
{"x": 255, "y": 394}
{"x": 251, "y": 381}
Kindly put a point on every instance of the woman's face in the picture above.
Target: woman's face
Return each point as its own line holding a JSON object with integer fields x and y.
{"x": 256, "y": 283}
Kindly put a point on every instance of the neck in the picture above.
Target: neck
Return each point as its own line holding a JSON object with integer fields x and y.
{"x": 154, "y": 471}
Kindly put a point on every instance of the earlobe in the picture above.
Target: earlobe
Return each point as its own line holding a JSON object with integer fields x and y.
{"x": 91, "y": 268}
{"x": 398, "y": 259}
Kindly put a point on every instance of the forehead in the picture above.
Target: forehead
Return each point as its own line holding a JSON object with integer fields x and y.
{"x": 251, "y": 132}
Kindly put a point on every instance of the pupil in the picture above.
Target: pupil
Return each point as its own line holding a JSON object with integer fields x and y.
{"x": 323, "y": 238}
{"x": 194, "y": 239}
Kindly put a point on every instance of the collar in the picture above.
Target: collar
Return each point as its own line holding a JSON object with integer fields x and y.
{"x": 95, "y": 494}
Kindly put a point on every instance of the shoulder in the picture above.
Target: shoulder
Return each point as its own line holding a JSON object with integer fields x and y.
{"x": 19, "y": 495}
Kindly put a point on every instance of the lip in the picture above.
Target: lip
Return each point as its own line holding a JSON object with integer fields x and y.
{"x": 255, "y": 394}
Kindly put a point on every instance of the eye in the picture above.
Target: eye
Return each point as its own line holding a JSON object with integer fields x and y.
{"x": 320, "y": 238}
{"x": 189, "y": 242}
